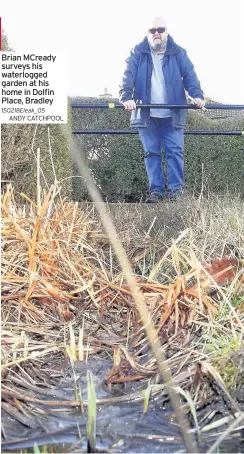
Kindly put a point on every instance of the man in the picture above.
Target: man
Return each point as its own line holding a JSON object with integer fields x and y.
{"x": 158, "y": 71}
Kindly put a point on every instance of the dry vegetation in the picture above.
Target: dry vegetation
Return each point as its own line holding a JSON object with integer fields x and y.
{"x": 64, "y": 297}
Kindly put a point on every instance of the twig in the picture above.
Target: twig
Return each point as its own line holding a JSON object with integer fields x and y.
{"x": 227, "y": 432}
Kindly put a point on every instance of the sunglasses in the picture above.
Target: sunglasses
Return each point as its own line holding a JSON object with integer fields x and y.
{"x": 158, "y": 29}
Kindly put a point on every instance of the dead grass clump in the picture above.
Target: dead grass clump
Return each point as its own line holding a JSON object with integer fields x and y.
{"x": 62, "y": 295}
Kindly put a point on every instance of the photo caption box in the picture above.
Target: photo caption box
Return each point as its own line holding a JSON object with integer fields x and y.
{"x": 33, "y": 88}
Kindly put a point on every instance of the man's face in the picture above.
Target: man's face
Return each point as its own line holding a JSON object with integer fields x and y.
{"x": 157, "y": 33}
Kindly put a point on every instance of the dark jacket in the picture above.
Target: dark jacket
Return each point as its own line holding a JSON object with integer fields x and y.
{"x": 179, "y": 75}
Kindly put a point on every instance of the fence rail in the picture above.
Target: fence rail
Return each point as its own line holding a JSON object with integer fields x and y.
{"x": 125, "y": 131}
{"x": 158, "y": 106}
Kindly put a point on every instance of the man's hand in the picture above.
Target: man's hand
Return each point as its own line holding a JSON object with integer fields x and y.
{"x": 199, "y": 102}
{"x": 129, "y": 105}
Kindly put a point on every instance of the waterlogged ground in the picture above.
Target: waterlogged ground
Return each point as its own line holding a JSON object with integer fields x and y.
{"x": 120, "y": 423}
{"x": 39, "y": 403}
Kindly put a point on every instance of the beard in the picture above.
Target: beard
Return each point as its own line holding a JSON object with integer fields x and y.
{"x": 159, "y": 44}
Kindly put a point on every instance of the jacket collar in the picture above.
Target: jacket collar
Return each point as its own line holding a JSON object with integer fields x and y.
{"x": 172, "y": 47}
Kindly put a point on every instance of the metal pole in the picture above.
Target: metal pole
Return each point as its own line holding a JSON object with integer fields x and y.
{"x": 159, "y": 106}
{"x": 118, "y": 131}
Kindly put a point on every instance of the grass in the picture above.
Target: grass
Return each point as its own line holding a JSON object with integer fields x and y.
{"x": 91, "y": 423}
{"x": 64, "y": 295}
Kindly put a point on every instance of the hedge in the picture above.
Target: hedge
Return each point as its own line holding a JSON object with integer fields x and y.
{"x": 214, "y": 163}
{"x": 18, "y": 151}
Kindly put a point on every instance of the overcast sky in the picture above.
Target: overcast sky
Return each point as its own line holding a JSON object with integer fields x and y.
{"x": 98, "y": 35}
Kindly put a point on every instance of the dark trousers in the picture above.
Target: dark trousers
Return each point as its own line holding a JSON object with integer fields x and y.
{"x": 157, "y": 136}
